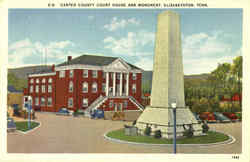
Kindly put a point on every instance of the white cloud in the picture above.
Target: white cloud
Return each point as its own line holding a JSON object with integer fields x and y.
{"x": 145, "y": 63}
{"x": 20, "y": 44}
{"x": 132, "y": 44}
{"x": 116, "y": 23}
{"x": 203, "y": 51}
{"x": 26, "y": 52}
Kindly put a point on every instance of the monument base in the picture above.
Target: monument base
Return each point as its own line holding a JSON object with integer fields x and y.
{"x": 162, "y": 119}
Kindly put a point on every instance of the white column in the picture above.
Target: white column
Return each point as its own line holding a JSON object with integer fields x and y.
{"x": 107, "y": 83}
{"x": 120, "y": 84}
{"x": 114, "y": 81}
{"x": 127, "y": 82}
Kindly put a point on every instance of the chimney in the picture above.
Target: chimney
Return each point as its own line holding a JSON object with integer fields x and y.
{"x": 69, "y": 58}
{"x": 53, "y": 67}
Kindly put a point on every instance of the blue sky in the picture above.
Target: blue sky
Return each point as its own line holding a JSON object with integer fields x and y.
{"x": 209, "y": 36}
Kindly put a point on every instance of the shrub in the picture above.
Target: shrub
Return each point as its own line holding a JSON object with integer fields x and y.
{"x": 205, "y": 128}
{"x": 147, "y": 131}
{"x": 189, "y": 132}
{"x": 134, "y": 122}
{"x": 157, "y": 134}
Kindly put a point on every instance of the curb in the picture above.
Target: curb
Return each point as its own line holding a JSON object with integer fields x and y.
{"x": 31, "y": 129}
{"x": 228, "y": 142}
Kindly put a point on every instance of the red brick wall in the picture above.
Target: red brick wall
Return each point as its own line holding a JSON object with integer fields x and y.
{"x": 60, "y": 89}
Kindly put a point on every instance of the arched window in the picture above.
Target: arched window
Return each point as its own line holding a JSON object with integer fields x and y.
{"x": 71, "y": 86}
{"x": 37, "y": 80}
{"x": 94, "y": 87}
{"x": 85, "y": 87}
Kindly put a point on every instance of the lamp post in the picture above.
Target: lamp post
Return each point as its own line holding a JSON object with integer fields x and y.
{"x": 173, "y": 105}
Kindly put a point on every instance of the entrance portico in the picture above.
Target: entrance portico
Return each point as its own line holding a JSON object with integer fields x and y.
{"x": 117, "y": 90}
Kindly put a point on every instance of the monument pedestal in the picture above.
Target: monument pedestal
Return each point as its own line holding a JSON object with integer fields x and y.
{"x": 162, "y": 119}
{"x": 168, "y": 83}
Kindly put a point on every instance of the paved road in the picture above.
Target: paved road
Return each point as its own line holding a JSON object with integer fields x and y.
{"x": 66, "y": 134}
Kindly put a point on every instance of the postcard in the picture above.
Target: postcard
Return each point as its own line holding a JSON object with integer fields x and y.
{"x": 136, "y": 80}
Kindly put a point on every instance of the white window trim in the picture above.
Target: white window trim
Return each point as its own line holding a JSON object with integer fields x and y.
{"x": 71, "y": 73}
{"x": 85, "y": 71}
{"x": 70, "y": 106}
{"x": 134, "y": 76}
{"x": 50, "y": 80}
{"x": 83, "y": 103}
{"x": 37, "y": 89}
{"x": 50, "y": 89}
{"x": 61, "y": 74}
{"x": 85, "y": 83}
{"x": 49, "y": 105}
{"x": 31, "y": 89}
{"x": 95, "y": 87}
{"x": 37, "y": 80}
{"x": 43, "y": 80}
{"x": 71, "y": 86}
{"x": 94, "y": 72}
{"x": 37, "y": 101}
{"x": 134, "y": 88}
{"x": 43, "y": 88}
{"x": 32, "y": 80}
{"x": 44, "y": 101}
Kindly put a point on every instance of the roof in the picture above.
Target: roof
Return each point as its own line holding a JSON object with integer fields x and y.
{"x": 12, "y": 89}
{"x": 93, "y": 60}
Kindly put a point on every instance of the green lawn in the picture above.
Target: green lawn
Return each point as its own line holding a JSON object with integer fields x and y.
{"x": 23, "y": 125}
{"x": 211, "y": 137}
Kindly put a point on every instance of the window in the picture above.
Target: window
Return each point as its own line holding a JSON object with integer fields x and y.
{"x": 49, "y": 88}
{"x": 85, "y": 73}
{"x": 111, "y": 103}
{"x": 62, "y": 74}
{"x": 42, "y": 101}
{"x": 37, "y": 88}
{"x": 134, "y": 88}
{"x": 134, "y": 76}
{"x": 50, "y": 80}
{"x": 104, "y": 75}
{"x": 71, "y": 73}
{"x": 49, "y": 103}
{"x": 37, "y": 80}
{"x": 85, "y": 87}
{"x": 85, "y": 102}
{"x": 70, "y": 86}
{"x": 36, "y": 101}
{"x": 125, "y": 104}
{"x": 43, "y": 89}
{"x": 31, "y": 80}
{"x": 31, "y": 89}
{"x": 94, "y": 87}
{"x": 43, "y": 80}
{"x": 70, "y": 102}
{"x": 103, "y": 87}
{"x": 94, "y": 73}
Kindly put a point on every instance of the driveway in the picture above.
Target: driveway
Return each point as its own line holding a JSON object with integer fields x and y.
{"x": 66, "y": 134}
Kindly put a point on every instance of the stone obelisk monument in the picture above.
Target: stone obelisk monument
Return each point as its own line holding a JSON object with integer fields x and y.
{"x": 168, "y": 82}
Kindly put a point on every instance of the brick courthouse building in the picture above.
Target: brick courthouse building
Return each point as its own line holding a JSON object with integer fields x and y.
{"x": 88, "y": 82}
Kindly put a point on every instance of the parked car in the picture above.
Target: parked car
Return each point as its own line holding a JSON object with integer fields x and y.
{"x": 63, "y": 111}
{"x": 221, "y": 118}
{"x": 231, "y": 116}
{"x": 197, "y": 117}
{"x": 11, "y": 126}
{"x": 208, "y": 116}
{"x": 97, "y": 114}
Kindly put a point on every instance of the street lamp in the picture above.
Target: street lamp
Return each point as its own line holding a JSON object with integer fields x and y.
{"x": 173, "y": 105}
